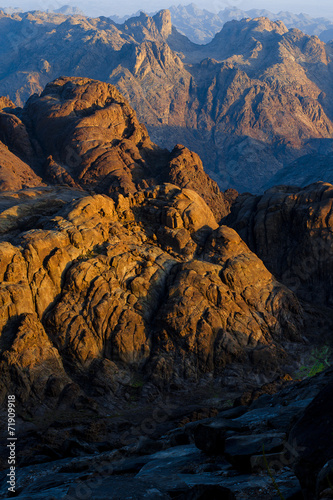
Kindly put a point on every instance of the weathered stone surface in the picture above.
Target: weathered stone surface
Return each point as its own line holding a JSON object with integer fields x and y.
{"x": 90, "y": 130}
{"x": 14, "y": 134}
{"x": 113, "y": 294}
{"x": 115, "y": 281}
{"x": 31, "y": 367}
{"x": 210, "y": 437}
{"x": 324, "y": 481}
{"x": 14, "y": 173}
{"x": 185, "y": 170}
{"x": 290, "y": 229}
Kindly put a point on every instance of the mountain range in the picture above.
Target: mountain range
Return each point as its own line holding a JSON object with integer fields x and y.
{"x": 201, "y": 25}
{"x": 251, "y": 103}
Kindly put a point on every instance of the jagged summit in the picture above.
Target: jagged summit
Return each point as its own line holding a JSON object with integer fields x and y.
{"x": 260, "y": 24}
{"x": 201, "y": 25}
{"x": 143, "y": 27}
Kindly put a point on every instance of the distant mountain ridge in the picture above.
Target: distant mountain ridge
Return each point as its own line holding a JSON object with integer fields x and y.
{"x": 201, "y": 25}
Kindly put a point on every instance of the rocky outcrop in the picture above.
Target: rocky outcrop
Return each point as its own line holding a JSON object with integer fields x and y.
{"x": 289, "y": 228}
{"x": 185, "y": 170}
{"x": 14, "y": 173}
{"x": 312, "y": 438}
{"x": 82, "y": 132}
{"x": 161, "y": 459}
{"x": 13, "y": 132}
{"x": 31, "y": 361}
{"x": 90, "y": 130}
{"x": 149, "y": 285}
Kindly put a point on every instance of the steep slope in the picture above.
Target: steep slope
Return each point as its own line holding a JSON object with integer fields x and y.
{"x": 14, "y": 173}
{"x": 307, "y": 169}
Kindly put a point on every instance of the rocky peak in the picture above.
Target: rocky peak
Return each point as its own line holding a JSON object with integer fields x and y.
{"x": 186, "y": 170}
{"x": 248, "y": 27}
{"x": 262, "y": 24}
{"x": 155, "y": 28}
{"x": 244, "y": 42}
{"x": 163, "y": 22}
{"x": 78, "y": 120}
{"x": 82, "y": 132}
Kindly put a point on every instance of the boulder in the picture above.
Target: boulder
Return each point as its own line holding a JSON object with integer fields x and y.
{"x": 239, "y": 449}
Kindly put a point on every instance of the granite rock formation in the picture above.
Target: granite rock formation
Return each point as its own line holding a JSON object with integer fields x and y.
{"x": 149, "y": 286}
{"x": 82, "y": 132}
{"x": 136, "y": 275}
{"x": 14, "y": 173}
{"x": 290, "y": 229}
{"x": 130, "y": 277}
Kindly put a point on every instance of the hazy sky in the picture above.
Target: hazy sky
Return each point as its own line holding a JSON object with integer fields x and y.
{"x": 110, "y": 7}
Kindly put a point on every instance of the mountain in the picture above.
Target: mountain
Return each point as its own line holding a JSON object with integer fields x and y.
{"x": 250, "y": 102}
{"x": 201, "y": 25}
{"x": 69, "y": 10}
